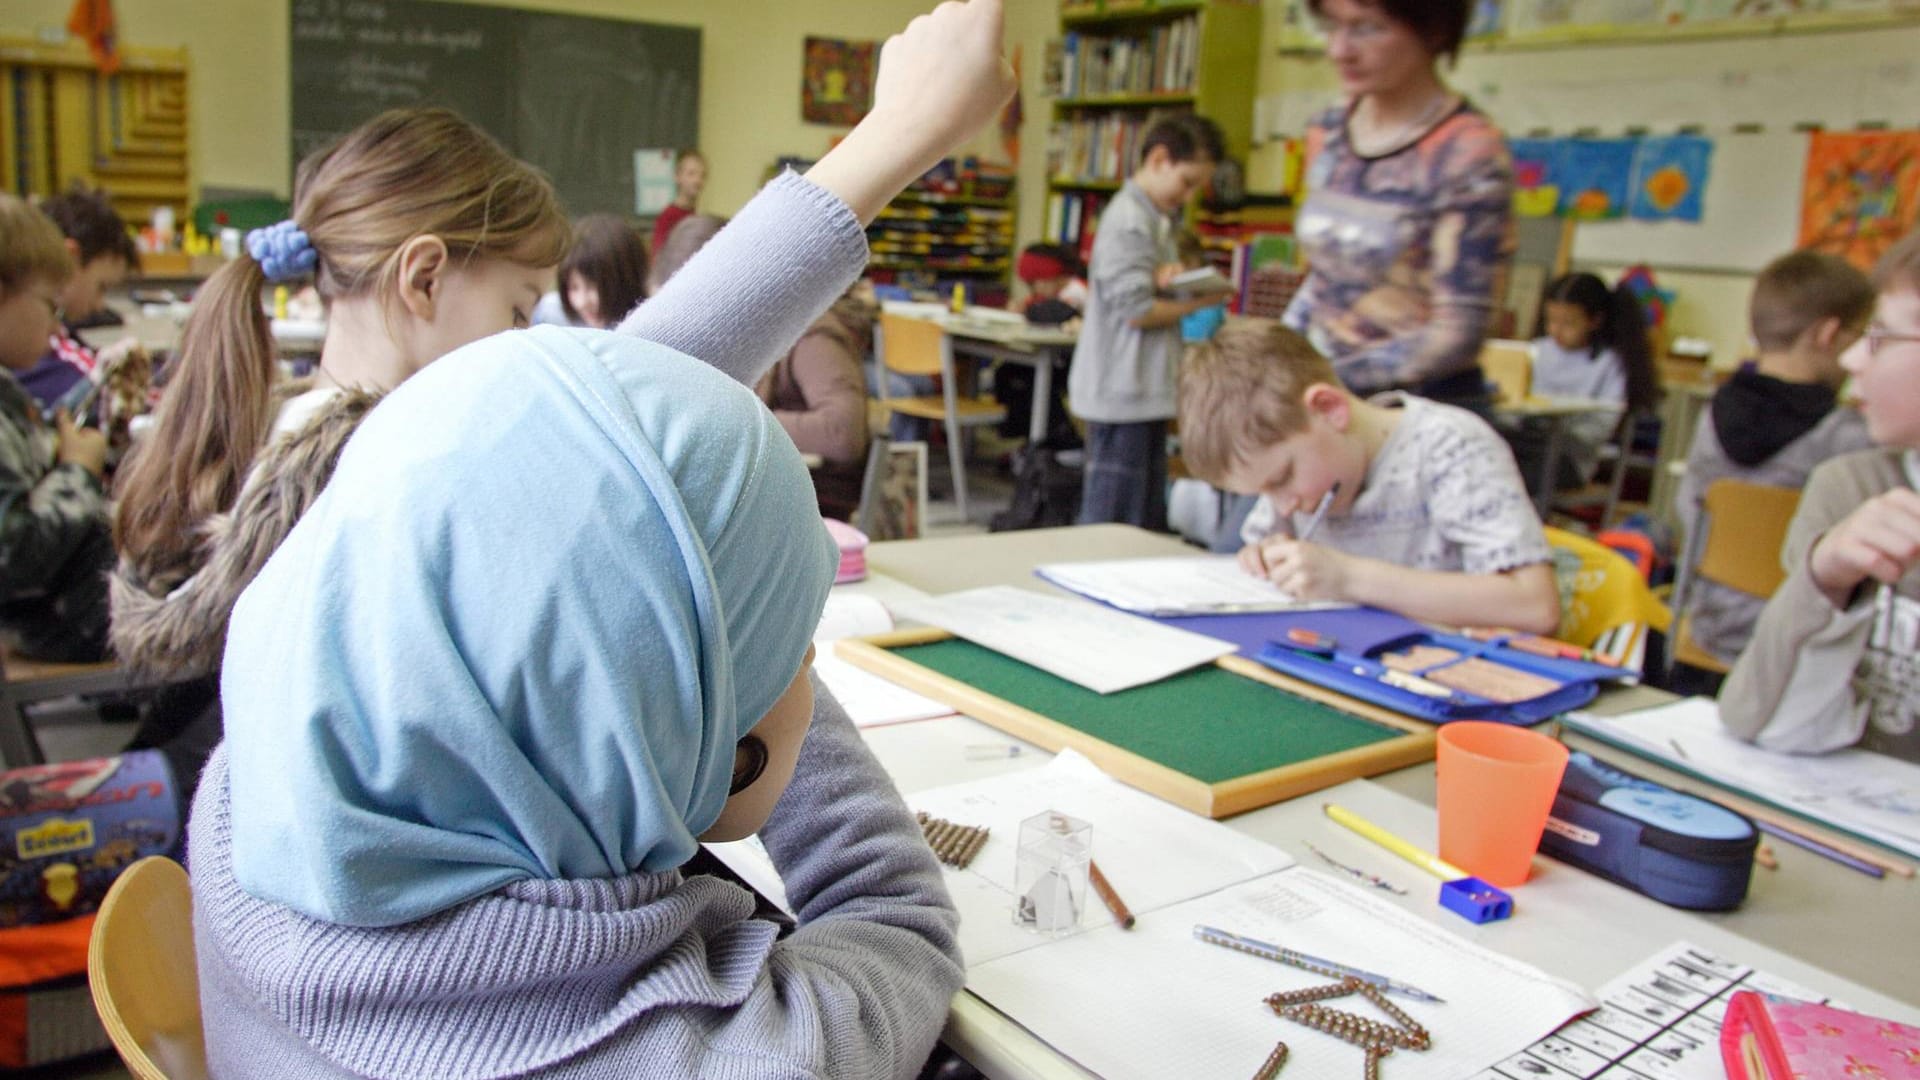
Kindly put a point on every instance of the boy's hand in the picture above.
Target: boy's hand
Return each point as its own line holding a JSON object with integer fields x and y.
{"x": 941, "y": 80}
{"x": 1880, "y": 540}
{"x": 1303, "y": 571}
{"x": 81, "y": 446}
{"x": 1164, "y": 274}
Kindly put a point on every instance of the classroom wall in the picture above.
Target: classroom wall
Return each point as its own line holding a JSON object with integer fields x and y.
{"x": 749, "y": 92}
{"x": 1712, "y": 303}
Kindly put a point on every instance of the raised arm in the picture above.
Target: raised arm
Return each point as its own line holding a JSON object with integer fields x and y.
{"x": 743, "y": 301}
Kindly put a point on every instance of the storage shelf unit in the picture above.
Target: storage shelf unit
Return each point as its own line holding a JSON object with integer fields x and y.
{"x": 953, "y": 226}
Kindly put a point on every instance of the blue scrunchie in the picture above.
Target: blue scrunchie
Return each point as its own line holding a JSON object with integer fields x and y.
{"x": 282, "y": 250}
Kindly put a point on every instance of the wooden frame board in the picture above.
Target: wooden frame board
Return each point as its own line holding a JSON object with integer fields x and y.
{"x": 1221, "y": 799}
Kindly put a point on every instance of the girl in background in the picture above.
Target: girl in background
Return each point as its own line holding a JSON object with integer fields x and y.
{"x": 605, "y": 272}
{"x": 1594, "y": 347}
{"x": 818, "y": 393}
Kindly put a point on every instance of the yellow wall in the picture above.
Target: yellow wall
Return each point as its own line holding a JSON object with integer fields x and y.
{"x": 749, "y": 92}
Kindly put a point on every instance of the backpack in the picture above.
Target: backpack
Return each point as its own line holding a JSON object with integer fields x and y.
{"x": 1046, "y": 490}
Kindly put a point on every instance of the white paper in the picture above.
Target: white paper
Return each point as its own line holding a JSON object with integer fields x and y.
{"x": 653, "y": 182}
{"x": 1153, "y": 853}
{"x": 1175, "y": 585}
{"x": 1658, "y": 1021}
{"x": 868, "y": 699}
{"x": 1155, "y": 1002}
{"x": 1099, "y": 648}
{"x": 1859, "y": 791}
{"x": 1201, "y": 279}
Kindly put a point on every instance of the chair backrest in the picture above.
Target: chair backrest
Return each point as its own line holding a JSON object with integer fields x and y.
{"x": 141, "y": 967}
{"x": 1746, "y": 525}
{"x": 910, "y": 346}
{"x": 1604, "y": 602}
{"x": 1509, "y": 367}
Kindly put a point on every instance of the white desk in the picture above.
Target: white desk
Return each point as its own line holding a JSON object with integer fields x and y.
{"x": 987, "y": 337}
{"x": 1811, "y": 921}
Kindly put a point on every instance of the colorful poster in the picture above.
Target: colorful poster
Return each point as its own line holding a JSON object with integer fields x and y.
{"x": 1536, "y": 176}
{"x": 1669, "y": 177}
{"x": 1595, "y": 177}
{"x": 836, "y": 84}
{"x": 1861, "y": 194}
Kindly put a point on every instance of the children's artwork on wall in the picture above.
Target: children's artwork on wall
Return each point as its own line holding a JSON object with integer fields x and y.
{"x": 836, "y": 84}
{"x": 1595, "y": 176}
{"x": 1861, "y": 194}
{"x": 1536, "y": 176}
{"x": 1669, "y": 175}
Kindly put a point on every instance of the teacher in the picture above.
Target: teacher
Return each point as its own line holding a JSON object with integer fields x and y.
{"x": 1407, "y": 227}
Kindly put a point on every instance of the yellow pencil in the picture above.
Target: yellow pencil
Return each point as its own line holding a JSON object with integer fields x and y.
{"x": 1431, "y": 863}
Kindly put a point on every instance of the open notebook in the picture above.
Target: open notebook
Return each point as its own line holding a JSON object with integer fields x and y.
{"x": 1175, "y": 585}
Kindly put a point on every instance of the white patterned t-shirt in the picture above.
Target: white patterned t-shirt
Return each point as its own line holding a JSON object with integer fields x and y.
{"x": 1442, "y": 494}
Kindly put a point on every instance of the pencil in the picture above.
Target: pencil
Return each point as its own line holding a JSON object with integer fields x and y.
{"x": 1319, "y": 513}
{"x": 1108, "y": 897}
{"x": 1764, "y": 856}
{"x": 1872, "y": 870}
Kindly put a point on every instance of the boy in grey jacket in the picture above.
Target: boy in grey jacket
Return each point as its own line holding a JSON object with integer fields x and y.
{"x": 1772, "y": 422}
{"x": 1835, "y": 659}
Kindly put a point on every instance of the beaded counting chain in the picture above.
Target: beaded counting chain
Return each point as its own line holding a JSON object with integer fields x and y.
{"x": 954, "y": 845}
{"x": 1376, "y": 1039}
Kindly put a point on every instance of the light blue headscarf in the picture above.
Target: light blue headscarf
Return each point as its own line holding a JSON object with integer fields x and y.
{"x": 554, "y": 579}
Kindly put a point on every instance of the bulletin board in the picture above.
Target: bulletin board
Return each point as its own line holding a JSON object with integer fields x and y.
{"x": 1217, "y": 740}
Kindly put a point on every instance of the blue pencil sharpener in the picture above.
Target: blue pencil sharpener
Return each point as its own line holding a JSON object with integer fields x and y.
{"x": 1475, "y": 900}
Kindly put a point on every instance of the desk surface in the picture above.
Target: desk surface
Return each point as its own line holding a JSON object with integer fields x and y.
{"x": 1811, "y": 920}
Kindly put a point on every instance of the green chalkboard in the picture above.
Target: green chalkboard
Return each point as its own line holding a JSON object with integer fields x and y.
{"x": 1208, "y": 723}
{"x": 572, "y": 94}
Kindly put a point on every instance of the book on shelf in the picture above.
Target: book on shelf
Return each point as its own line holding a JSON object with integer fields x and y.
{"x": 1161, "y": 60}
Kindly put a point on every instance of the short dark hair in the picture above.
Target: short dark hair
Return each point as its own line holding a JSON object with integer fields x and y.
{"x": 610, "y": 255}
{"x": 89, "y": 220}
{"x": 1442, "y": 24}
{"x": 1186, "y": 137}
{"x": 1899, "y": 268}
{"x": 1801, "y": 290}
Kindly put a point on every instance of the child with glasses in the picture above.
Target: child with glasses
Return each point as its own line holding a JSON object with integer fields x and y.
{"x": 1835, "y": 658}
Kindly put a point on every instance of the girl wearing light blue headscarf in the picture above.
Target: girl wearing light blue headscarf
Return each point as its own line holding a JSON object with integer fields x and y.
{"x": 546, "y": 628}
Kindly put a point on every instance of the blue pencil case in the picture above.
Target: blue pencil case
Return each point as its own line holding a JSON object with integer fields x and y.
{"x": 1358, "y": 666}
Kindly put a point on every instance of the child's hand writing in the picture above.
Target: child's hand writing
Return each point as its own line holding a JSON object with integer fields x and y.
{"x": 80, "y": 446}
{"x": 1304, "y": 571}
{"x": 1880, "y": 540}
{"x": 940, "y": 81}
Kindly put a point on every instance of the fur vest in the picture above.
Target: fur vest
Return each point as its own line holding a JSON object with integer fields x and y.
{"x": 175, "y": 629}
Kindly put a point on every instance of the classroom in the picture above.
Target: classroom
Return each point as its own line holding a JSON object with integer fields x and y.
{"x": 1357, "y": 538}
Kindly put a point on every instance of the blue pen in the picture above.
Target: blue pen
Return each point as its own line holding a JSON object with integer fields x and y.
{"x": 1213, "y": 936}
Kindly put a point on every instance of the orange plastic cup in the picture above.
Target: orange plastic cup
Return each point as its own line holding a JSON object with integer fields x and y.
{"x": 1495, "y": 786}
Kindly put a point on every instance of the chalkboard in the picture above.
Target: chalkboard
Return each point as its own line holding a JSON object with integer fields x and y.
{"x": 574, "y": 95}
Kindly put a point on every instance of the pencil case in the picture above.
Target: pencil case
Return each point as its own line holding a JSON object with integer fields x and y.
{"x": 1363, "y": 637}
{"x": 1677, "y": 848}
{"x": 1771, "y": 1038}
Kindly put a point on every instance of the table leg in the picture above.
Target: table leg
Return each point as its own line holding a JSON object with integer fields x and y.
{"x": 1550, "y": 465}
{"x": 1042, "y": 399}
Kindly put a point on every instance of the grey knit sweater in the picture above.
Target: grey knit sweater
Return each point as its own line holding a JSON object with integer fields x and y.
{"x": 649, "y": 974}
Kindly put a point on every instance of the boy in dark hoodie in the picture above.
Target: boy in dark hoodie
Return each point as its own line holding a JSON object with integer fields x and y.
{"x": 1772, "y": 422}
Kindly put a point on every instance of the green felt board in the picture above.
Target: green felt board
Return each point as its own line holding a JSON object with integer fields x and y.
{"x": 1208, "y": 723}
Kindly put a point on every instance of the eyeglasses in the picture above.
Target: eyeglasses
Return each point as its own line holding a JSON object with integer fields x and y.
{"x": 1360, "y": 32}
{"x": 1878, "y": 339}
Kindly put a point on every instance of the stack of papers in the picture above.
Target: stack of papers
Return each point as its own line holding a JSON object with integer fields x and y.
{"x": 1098, "y": 648}
{"x": 869, "y": 699}
{"x": 1176, "y": 585}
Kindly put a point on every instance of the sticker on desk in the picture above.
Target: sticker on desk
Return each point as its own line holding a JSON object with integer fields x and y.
{"x": 1659, "y": 1021}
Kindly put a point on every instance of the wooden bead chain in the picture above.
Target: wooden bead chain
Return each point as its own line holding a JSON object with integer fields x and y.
{"x": 1342, "y": 988}
{"x": 1274, "y": 1063}
{"x": 1376, "y": 1039}
{"x": 1373, "y": 1062}
{"x": 954, "y": 845}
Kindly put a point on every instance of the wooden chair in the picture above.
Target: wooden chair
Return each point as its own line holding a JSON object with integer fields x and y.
{"x": 917, "y": 347}
{"x": 30, "y": 681}
{"x": 1509, "y": 367}
{"x": 1736, "y": 542}
{"x": 140, "y": 965}
{"x": 1605, "y": 604}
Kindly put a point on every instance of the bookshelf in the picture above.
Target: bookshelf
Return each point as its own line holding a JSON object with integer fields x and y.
{"x": 953, "y": 226}
{"x": 62, "y": 121}
{"x": 1123, "y": 64}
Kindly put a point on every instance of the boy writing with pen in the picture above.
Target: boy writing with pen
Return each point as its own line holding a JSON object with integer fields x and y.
{"x": 1395, "y": 501}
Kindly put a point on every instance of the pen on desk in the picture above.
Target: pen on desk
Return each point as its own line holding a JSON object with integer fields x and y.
{"x": 1818, "y": 848}
{"x": 1215, "y": 936}
{"x": 1319, "y": 513}
{"x": 1108, "y": 897}
{"x": 992, "y": 751}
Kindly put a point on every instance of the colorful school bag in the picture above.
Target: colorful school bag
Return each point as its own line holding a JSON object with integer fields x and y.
{"x": 68, "y": 831}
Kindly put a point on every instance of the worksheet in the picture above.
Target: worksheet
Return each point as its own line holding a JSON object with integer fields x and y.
{"x": 868, "y": 699}
{"x": 1175, "y": 585}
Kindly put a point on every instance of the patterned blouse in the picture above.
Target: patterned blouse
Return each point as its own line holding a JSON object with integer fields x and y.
{"x": 1407, "y": 252}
